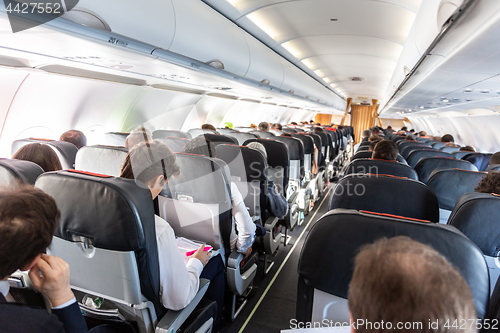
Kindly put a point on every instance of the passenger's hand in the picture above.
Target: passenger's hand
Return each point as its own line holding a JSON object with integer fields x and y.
{"x": 203, "y": 256}
{"x": 54, "y": 281}
{"x": 247, "y": 252}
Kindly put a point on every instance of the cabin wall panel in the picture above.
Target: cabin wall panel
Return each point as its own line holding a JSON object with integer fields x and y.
{"x": 9, "y": 84}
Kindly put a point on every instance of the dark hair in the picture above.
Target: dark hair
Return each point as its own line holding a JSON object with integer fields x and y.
{"x": 148, "y": 160}
{"x": 278, "y": 126}
{"x": 495, "y": 159}
{"x": 385, "y": 150}
{"x": 293, "y": 123}
{"x": 318, "y": 129}
{"x": 373, "y": 143}
{"x": 410, "y": 138}
{"x": 404, "y": 128}
{"x": 287, "y": 135}
{"x": 389, "y": 127}
{"x": 200, "y": 146}
{"x": 447, "y": 138}
{"x": 366, "y": 133}
{"x": 28, "y": 220}
{"x": 374, "y": 138}
{"x": 399, "y": 280}
{"x": 490, "y": 183}
{"x": 75, "y": 137}
{"x": 208, "y": 127}
{"x": 467, "y": 148}
{"x": 263, "y": 126}
{"x": 40, "y": 154}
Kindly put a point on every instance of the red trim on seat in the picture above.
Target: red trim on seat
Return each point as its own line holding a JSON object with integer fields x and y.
{"x": 175, "y": 137}
{"x": 470, "y": 170}
{"x": 379, "y": 159}
{"x": 395, "y": 216}
{"x": 41, "y": 139}
{"x": 89, "y": 173}
{"x": 374, "y": 174}
{"x": 496, "y": 195}
{"x": 190, "y": 154}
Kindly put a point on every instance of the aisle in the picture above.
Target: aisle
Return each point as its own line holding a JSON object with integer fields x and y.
{"x": 272, "y": 308}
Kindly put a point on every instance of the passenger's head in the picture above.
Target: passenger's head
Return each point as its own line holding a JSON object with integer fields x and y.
{"x": 28, "y": 219}
{"x": 373, "y": 143}
{"x": 151, "y": 163}
{"x": 375, "y": 130}
{"x": 467, "y": 148}
{"x": 228, "y": 125}
{"x": 200, "y": 146}
{"x": 318, "y": 129}
{"x": 447, "y": 138}
{"x": 399, "y": 280}
{"x": 366, "y": 134}
{"x": 293, "y": 123}
{"x": 40, "y": 154}
{"x": 253, "y": 126}
{"x": 389, "y": 128}
{"x": 410, "y": 138}
{"x": 288, "y": 135}
{"x": 208, "y": 127}
{"x": 259, "y": 147}
{"x": 277, "y": 127}
{"x": 422, "y": 133}
{"x": 375, "y": 138}
{"x": 263, "y": 126}
{"x": 404, "y": 129}
{"x": 385, "y": 150}
{"x": 311, "y": 121}
{"x": 490, "y": 183}
{"x": 135, "y": 138}
{"x": 75, "y": 137}
{"x": 495, "y": 159}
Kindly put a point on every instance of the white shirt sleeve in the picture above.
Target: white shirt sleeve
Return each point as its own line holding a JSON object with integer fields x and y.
{"x": 178, "y": 283}
{"x": 244, "y": 223}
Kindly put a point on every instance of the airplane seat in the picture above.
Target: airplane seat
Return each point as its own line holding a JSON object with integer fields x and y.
{"x": 416, "y": 155}
{"x": 218, "y": 139}
{"x": 279, "y": 169}
{"x": 393, "y": 168}
{"x": 158, "y": 134}
{"x": 426, "y": 165}
{"x": 449, "y": 185}
{"x": 386, "y": 194}
{"x": 194, "y": 132}
{"x": 276, "y": 132}
{"x": 476, "y": 216}
{"x": 18, "y": 171}
{"x": 438, "y": 145}
{"x": 407, "y": 149}
{"x": 368, "y": 154}
{"x": 363, "y": 148}
{"x": 310, "y": 181}
{"x": 326, "y": 262}
{"x": 480, "y": 160}
{"x": 404, "y": 143}
{"x": 364, "y": 144}
{"x": 493, "y": 167}
{"x": 289, "y": 130}
{"x": 263, "y": 134}
{"x": 449, "y": 149}
{"x": 327, "y": 148}
{"x": 226, "y": 131}
{"x": 244, "y": 129}
{"x": 242, "y": 137}
{"x": 107, "y": 236}
{"x": 321, "y": 176}
{"x": 174, "y": 143}
{"x": 334, "y": 141}
{"x": 396, "y": 138}
{"x": 106, "y": 160}
{"x": 421, "y": 139}
{"x": 65, "y": 151}
{"x": 114, "y": 139}
{"x": 459, "y": 154}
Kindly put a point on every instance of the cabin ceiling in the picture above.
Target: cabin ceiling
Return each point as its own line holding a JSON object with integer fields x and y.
{"x": 350, "y": 46}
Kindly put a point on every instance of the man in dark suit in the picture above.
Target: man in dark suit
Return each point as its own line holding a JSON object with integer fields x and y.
{"x": 28, "y": 219}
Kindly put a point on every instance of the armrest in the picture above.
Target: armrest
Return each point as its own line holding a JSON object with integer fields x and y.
{"x": 173, "y": 320}
{"x": 271, "y": 242}
{"x": 293, "y": 197}
{"x": 238, "y": 282}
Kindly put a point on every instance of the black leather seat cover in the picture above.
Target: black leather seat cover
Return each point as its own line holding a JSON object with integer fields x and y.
{"x": 115, "y": 213}
{"x": 65, "y": 149}
{"x": 295, "y": 150}
{"x": 170, "y": 133}
{"x": 381, "y": 167}
{"x": 416, "y": 155}
{"x": 242, "y": 137}
{"x": 450, "y": 184}
{"x": 175, "y": 143}
{"x": 386, "y": 194}
{"x": 289, "y": 130}
{"x": 364, "y": 144}
{"x": 476, "y": 215}
{"x": 368, "y": 154}
{"x": 263, "y": 134}
{"x": 481, "y": 161}
{"x": 308, "y": 144}
{"x": 327, "y": 258}
{"x": 194, "y": 132}
{"x": 426, "y": 165}
{"x": 221, "y": 139}
{"x": 25, "y": 171}
{"x": 333, "y": 140}
{"x": 448, "y": 149}
{"x": 406, "y": 150}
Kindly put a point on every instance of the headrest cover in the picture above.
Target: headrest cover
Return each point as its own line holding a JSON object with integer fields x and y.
{"x": 24, "y": 171}
{"x": 337, "y": 237}
{"x": 218, "y": 139}
{"x": 394, "y": 168}
{"x": 263, "y": 134}
{"x": 174, "y": 143}
{"x": 115, "y": 138}
{"x": 307, "y": 142}
{"x": 295, "y": 147}
{"x": 106, "y": 160}
{"x": 170, "y": 133}
{"x": 242, "y": 137}
{"x": 416, "y": 155}
{"x": 277, "y": 152}
{"x": 194, "y": 132}
{"x": 481, "y": 161}
{"x": 426, "y": 165}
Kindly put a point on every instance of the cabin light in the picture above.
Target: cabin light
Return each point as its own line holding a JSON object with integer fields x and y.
{"x": 422, "y": 107}
{"x": 259, "y": 21}
{"x": 291, "y": 49}
{"x": 468, "y": 100}
{"x": 308, "y": 63}
{"x": 467, "y": 90}
{"x": 319, "y": 73}
{"x": 410, "y": 110}
{"x": 485, "y": 91}
{"x": 445, "y": 101}
{"x": 215, "y": 63}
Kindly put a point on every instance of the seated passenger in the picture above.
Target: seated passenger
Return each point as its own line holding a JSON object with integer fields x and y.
{"x": 399, "y": 280}
{"x": 208, "y": 127}
{"x": 28, "y": 220}
{"x": 410, "y": 138}
{"x": 152, "y": 164}
{"x": 422, "y": 134}
{"x": 495, "y": 159}
{"x": 385, "y": 150}
{"x": 40, "y": 154}
{"x": 490, "y": 183}
{"x": 242, "y": 222}
{"x": 276, "y": 203}
{"x": 253, "y": 126}
{"x": 288, "y": 135}
{"x": 365, "y": 135}
{"x": 375, "y": 131}
{"x": 75, "y": 137}
{"x": 467, "y": 148}
{"x": 277, "y": 127}
{"x": 373, "y": 143}
{"x": 264, "y": 127}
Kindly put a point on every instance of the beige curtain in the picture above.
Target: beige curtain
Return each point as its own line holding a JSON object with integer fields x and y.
{"x": 323, "y": 119}
{"x": 362, "y": 118}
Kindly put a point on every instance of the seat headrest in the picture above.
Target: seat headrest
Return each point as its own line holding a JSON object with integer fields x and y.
{"x": 481, "y": 161}
{"x": 175, "y": 143}
{"x": 295, "y": 147}
{"x": 202, "y": 179}
{"x": 317, "y": 140}
{"x": 194, "y": 132}
{"x": 65, "y": 151}
{"x": 337, "y": 237}
{"x": 416, "y": 155}
{"x": 105, "y": 160}
{"x": 368, "y": 165}
{"x": 277, "y": 152}
{"x": 493, "y": 167}
{"x": 17, "y": 170}
{"x": 263, "y": 134}
{"x": 221, "y": 139}
{"x": 158, "y": 134}
{"x": 307, "y": 142}
{"x": 386, "y": 194}
{"x": 406, "y": 150}
{"x": 324, "y": 138}
{"x": 438, "y": 145}
{"x": 242, "y": 137}
{"x": 246, "y": 164}
{"x": 426, "y": 165}
{"x": 450, "y": 184}
{"x": 459, "y": 154}
{"x": 448, "y": 149}
{"x": 289, "y": 130}
{"x": 476, "y": 215}
{"x": 115, "y": 138}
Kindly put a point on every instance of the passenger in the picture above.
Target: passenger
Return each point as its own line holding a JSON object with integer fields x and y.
{"x": 40, "y": 154}
{"x": 208, "y": 127}
{"x": 490, "y": 183}
{"x": 422, "y": 134}
{"x": 399, "y": 280}
{"x": 288, "y": 135}
{"x": 75, "y": 137}
{"x": 242, "y": 222}
{"x": 28, "y": 220}
{"x": 293, "y": 123}
{"x": 404, "y": 129}
{"x": 152, "y": 164}
{"x": 412, "y": 131}
{"x": 318, "y": 129}
{"x": 402, "y": 133}
{"x": 375, "y": 130}
{"x": 264, "y": 127}
{"x": 277, "y": 127}
{"x": 228, "y": 125}
{"x": 467, "y": 148}
{"x": 449, "y": 140}
{"x": 385, "y": 150}
{"x": 373, "y": 142}
{"x": 365, "y": 135}
{"x": 410, "y": 138}
{"x": 253, "y": 126}
{"x": 276, "y": 203}
{"x": 311, "y": 122}
{"x": 495, "y": 159}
